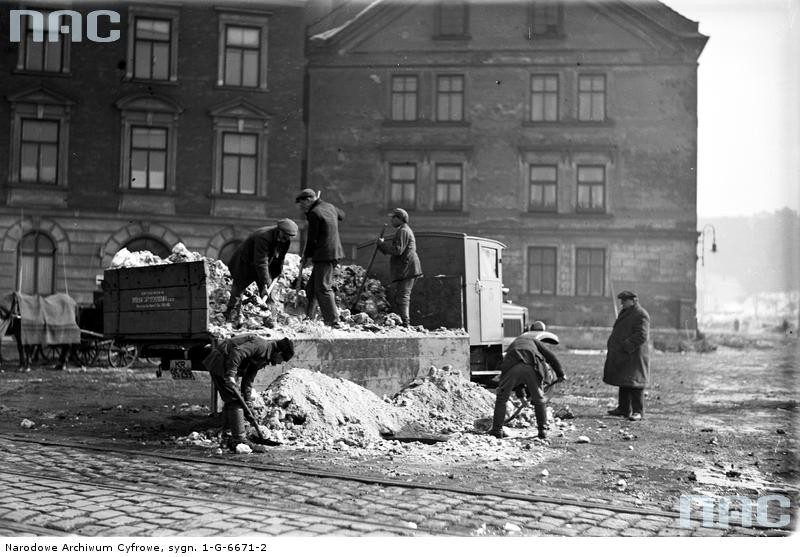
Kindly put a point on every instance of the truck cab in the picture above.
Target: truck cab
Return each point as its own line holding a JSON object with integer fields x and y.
{"x": 462, "y": 288}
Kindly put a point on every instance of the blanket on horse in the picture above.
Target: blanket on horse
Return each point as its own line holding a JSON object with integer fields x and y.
{"x": 48, "y": 320}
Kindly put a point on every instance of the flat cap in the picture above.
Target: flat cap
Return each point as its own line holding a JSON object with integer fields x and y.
{"x": 627, "y": 295}
{"x": 307, "y": 193}
{"x": 288, "y": 226}
{"x": 402, "y": 214}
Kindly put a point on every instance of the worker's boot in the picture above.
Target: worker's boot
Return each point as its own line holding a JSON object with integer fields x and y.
{"x": 236, "y": 421}
{"x": 225, "y": 432}
{"x": 540, "y": 411}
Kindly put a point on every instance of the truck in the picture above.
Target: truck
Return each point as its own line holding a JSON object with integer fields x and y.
{"x": 461, "y": 288}
{"x": 164, "y": 311}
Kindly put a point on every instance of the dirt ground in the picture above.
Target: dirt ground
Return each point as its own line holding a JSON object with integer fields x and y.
{"x": 721, "y": 422}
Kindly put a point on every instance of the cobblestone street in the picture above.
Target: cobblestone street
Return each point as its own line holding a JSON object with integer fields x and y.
{"x": 101, "y": 460}
{"x": 77, "y": 491}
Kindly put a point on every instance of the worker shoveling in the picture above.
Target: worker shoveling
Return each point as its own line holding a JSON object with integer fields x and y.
{"x": 285, "y": 306}
{"x": 434, "y": 414}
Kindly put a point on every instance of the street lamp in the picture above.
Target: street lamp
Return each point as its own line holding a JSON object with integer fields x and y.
{"x": 703, "y": 243}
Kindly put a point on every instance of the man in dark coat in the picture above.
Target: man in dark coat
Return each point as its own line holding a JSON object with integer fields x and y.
{"x": 324, "y": 250}
{"x": 628, "y": 358}
{"x": 259, "y": 259}
{"x": 404, "y": 265}
{"x": 523, "y": 366}
{"x": 243, "y": 357}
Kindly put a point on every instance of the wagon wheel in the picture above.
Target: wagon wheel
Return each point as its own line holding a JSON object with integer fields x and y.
{"x": 51, "y": 352}
{"x": 121, "y": 355}
{"x": 86, "y": 353}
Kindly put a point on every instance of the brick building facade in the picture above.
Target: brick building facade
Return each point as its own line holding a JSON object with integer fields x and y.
{"x": 565, "y": 130}
{"x": 187, "y": 128}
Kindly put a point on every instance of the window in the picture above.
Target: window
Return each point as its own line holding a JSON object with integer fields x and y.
{"x": 39, "y": 151}
{"x": 152, "y": 44}
{"x": 591, "y": 188}
{"x": 451, "y": 20}
{"x": 148, "y": 243}
{"x": 404, "y": 98}
{"x": 241, "y": 56}
{"x": 450, "y": 98}
{"x": 590, "y": 265}
{"x": 36, "y": 262}
{"x": 39, "y": 134}
{"x": 545, "y": 18}
{"x": 240, "y": 149}
{"x": 544, "y": 98}
{"x": 489, "y": 264}
{"x": 42, "y": 55}
{"x": 592, "y": 98}
{"x": 226, "y": 252}
{"x": 151, "y": 49}
{"x": 239, "y": 161}
{"x": 243, "y": 40}
{"x": 149, "y": 144}
{"x": 449, "y": 186}
{"x": 543, "y": 180}
{"x": 148, "y": 158}
{"x": 403, "y": 185}
{"x": 542, "y": 271}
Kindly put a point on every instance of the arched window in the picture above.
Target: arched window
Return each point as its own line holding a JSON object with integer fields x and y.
{"x": 36, "y": 259}
{"x": 148, "y": 243}
{"x": 227, "y": 250}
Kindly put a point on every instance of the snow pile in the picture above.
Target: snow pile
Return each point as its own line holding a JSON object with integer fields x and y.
{"x": 125, "y": 258}
{"x": 316, "y": 410}
{"x": 311, "y": 409}
{"x": 444, "y": 401}
{"x": 285, "y": 315}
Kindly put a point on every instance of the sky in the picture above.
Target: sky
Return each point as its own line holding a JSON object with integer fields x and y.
{"x": 748, "y": 105}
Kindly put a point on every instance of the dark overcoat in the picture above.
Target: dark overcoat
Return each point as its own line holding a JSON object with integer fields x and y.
{"x": 259, "y": 258}
{"x": 323, "y": 243}
{"x": 403, "y": 261}
{"x": 628, "y": 357}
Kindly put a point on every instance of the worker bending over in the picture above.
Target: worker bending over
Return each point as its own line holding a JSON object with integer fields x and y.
{"x": 242, "y": 356}
{"x": 523, "y": 366}
{"x": 259, "y": 259}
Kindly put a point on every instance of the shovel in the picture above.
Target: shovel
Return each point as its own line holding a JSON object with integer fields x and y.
{"x": 248, "y": 414}
{"x": 267, "y": 298}
{"x": 366, "y": 274}
{"x": 524, "y": 402}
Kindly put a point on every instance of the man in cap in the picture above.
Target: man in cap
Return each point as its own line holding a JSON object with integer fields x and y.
{"x": 324, "y": 250}
{"x": 259, "y": 258}
{"x": 524, "y": 369}
{"x": 628, "y": 358}
{"x": 242, "y": 356}
{"x": 404, "y": 264}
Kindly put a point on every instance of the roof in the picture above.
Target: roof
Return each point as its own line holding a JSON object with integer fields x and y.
{"x": 349, "y": 18}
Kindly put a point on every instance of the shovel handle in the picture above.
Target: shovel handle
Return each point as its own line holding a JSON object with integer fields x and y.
{"x": 366, "y": 273}
{"x": 248, "y": 414}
